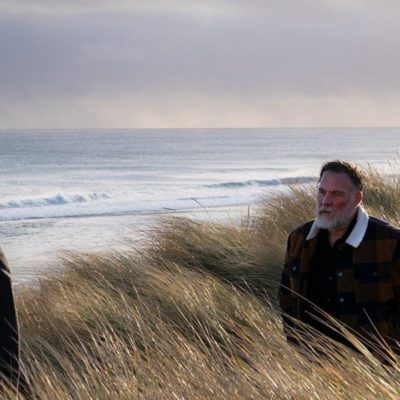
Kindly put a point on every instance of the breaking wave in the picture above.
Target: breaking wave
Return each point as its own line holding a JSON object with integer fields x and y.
{"x": 57, "y": 199}
{"x": 296, "y": 180}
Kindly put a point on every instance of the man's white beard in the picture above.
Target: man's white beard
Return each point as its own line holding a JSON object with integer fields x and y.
{"x": 337, "y": 220}
{"x": 324, "y": 223}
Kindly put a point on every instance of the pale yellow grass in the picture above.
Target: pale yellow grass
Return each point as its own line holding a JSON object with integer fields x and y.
{"x": 190, "y": 315}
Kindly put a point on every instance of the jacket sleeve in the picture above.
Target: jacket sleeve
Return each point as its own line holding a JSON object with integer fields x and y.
{"x": 284, "y": 292}
{"x": 396, "y": 291}
{"x": 284, "y": 285}
{"x": 9, "y": 337}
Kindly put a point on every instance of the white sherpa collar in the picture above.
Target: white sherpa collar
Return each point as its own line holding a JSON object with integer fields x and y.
{"x": 356, "y": 235}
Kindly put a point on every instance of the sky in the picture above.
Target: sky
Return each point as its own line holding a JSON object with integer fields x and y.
{"x": 199, "y": 63}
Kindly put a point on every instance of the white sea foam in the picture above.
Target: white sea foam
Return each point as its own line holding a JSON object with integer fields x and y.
{"x": 110, "y": 206}
{"x": 63, "y": 205}
{"x": 293, "y": 180}
{"x": 56, "y": 199}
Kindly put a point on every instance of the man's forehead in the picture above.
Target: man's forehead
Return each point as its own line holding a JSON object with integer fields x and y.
{"x": 335, "y": 181}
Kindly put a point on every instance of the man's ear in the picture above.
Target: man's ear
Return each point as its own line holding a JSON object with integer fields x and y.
{"x": 358, "y": 198}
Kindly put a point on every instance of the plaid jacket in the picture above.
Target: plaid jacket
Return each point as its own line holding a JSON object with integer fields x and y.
{"x": 369, "y": 285}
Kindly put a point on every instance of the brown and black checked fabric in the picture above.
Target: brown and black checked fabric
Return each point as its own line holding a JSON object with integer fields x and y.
{"x": 369, "y": 290}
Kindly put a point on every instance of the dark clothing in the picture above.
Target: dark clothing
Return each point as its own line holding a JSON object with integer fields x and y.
{"x": 366, "y": 287}
{"x": 322, "y": 283}
{"x": 9, "y": 340}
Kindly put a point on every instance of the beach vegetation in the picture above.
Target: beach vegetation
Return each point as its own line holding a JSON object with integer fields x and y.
{"x": 191, "y": 313}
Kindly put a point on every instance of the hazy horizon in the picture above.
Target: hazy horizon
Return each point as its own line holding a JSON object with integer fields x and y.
{"x": 211, "y": 128}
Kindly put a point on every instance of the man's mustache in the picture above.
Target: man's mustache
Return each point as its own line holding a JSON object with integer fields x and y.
{"x": 324, "y": 210}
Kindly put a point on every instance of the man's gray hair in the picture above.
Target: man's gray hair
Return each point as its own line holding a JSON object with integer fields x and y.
{"x": 354, "y": 172}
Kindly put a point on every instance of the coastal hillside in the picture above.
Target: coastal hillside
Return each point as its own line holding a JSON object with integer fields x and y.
{"x": 190, "y": 313}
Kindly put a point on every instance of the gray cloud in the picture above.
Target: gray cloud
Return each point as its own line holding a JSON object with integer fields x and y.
{"x": 227, "y": 52}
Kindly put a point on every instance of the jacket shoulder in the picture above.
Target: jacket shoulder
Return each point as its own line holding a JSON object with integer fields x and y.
{"x": 383, "y": 227}
{"x": 3, "y": 260}
{"x": 302, "y": 229}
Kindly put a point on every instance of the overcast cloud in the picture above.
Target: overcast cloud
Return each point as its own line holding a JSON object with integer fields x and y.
{"x": 183, "y": 63}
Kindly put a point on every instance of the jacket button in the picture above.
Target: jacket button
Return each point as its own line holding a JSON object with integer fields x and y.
{"x": 340, "y": 274}
{"x": 341, "y": 299}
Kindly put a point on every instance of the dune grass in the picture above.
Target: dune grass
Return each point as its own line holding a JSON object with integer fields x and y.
{"x": 191, "y": 314}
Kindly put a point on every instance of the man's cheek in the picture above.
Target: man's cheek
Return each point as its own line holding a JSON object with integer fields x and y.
{"x": 341, "y": 205}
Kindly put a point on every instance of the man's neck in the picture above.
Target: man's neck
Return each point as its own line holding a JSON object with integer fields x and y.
{"x": 336, "y": 234}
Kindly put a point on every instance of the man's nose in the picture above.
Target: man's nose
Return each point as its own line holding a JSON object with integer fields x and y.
{"x": 326, "y": 199}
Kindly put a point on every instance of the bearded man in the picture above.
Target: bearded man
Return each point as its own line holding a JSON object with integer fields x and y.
{"x": 345, "y": 264}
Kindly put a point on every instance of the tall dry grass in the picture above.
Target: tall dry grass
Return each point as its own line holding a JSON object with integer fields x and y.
{"x": 191, "y": 315}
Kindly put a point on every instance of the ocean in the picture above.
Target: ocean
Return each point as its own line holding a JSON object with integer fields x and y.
{"x": 90, "y": 190}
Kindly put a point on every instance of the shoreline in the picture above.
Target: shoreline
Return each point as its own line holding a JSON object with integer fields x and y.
{"x": 41, "y": 250}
